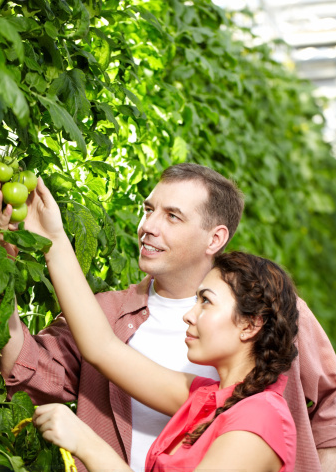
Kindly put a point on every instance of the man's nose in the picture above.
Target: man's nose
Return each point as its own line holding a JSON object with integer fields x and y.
{"x": 150, "y": 224}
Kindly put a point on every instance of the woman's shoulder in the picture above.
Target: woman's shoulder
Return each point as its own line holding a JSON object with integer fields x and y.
{"x": 265, "y": 414}
{"x": 203, "y": 382}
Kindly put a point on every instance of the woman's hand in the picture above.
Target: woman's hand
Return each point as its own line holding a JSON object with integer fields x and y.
{"x": 44, "y": 216}
{"x": 5, "y": 224}
{"x": 59, "y": 425}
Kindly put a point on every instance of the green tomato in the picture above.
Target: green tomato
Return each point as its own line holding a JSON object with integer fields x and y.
{"x": 6, "y": 172}
{"x": 14, "y": 193}
{"x": 11, "y": 162}
{"x": 19, "y": 213}
{"x": 27, "y": 178}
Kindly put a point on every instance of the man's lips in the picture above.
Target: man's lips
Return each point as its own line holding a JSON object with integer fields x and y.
{"x": 150, "y": 248}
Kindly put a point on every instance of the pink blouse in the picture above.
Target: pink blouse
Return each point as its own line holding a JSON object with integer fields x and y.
{"x": 265, "y": 414}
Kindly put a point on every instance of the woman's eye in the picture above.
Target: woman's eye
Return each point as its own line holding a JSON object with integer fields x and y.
{"x": 202, "y": 299}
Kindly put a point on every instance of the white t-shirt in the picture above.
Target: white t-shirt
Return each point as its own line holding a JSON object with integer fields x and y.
{"x": 161, "y": 338}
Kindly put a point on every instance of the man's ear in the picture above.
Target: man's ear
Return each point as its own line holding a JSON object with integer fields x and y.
{"x": 218, "y": 237}
{"x": 249, "y": 329}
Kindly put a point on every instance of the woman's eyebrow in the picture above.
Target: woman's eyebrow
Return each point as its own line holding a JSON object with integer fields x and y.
{"x": 200, "y": 293}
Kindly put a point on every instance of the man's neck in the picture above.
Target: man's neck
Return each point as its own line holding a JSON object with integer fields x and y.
{"x": 184, "y": 287}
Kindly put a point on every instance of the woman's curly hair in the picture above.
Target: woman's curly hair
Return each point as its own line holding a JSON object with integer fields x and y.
{"x": 262, "y": 290}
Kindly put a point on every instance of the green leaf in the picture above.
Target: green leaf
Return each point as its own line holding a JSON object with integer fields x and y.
{"x": 27, "y": 444}
{"x": 6, "y": 442}
{"x": 6, "y": 310}
{"x": 3, "y": 390}
{"x": 108, "y": 111}
{"x": 37, "y": 274}
{"x": 102, "y": 49}
{"x": 97, "y": 284}
{"x": 85, "y": 228}
{"x": 117, "y": 262}
{"x": 43, "y": 462}
{"x": 22, "y": 407}
{"x": 27, "y": 241}
{"x": 51, "y": 29}
{"x": 4, "y": 459}
{"x": 70, "y": 88}
{"x": 100, "y": 167}
{"x": 6, "y": 420}
{"x": 149, "y": 17}
{"x": 62, "y": 119}
{"x": 9, "y": 32}
{"x": 180, "y": 149}
{"x": 16, "y": 462}
{"x": 7, "y": 269}
{"x": 12, "y": 96}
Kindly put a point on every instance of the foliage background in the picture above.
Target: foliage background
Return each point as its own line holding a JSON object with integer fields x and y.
{"x": 99, "y": 97}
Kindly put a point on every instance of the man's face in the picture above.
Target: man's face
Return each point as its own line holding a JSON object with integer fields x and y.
{"x": 171, "y": 238}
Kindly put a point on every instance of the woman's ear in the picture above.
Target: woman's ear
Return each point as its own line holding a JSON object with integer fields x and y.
{"x": 249, "y": 329}
{"x": 218, "y": 237}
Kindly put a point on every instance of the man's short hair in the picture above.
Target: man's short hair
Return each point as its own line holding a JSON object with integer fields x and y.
{"x": 225, "y": 202}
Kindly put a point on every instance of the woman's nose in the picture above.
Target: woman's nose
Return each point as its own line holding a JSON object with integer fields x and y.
{"x": 191, "y": 316}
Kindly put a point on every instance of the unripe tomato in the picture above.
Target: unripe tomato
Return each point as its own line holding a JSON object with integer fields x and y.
{"x": 14, "y": 193}
{"x": 27, "y": 178}
{"x": 10, "y": 162}
{"x": 19, "y": 213}
{"x": 6, "y": 172}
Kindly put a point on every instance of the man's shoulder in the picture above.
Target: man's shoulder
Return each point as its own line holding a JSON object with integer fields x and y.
{"x": 130, "y": 299}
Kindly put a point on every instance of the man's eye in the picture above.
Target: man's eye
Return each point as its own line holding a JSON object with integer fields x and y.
{"x": 173, "y": 217}
{"x": 148, "y": 210}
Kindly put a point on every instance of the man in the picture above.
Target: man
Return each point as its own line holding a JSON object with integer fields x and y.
{"x": 190, "y": 216}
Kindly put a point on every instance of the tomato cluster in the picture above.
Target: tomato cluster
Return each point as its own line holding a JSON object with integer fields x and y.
{"x": 16, "y": 186}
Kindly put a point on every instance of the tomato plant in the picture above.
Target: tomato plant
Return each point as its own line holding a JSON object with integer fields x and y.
{"x": 14, "y": 193}
{"x": 12, "y": 162}
{"x": 27, "y": 178}
{"x": 6, "y": 172}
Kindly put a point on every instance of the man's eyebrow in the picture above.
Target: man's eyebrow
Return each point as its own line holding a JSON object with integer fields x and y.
{"x": 177, "y": 210}
{"x": 168, "y": 209}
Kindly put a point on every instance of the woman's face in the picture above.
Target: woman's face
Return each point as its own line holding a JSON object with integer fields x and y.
{"x": 212, "y": 336}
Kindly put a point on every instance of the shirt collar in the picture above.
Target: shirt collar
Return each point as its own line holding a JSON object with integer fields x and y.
{"x": 137, "y": 296}
{"x": 222, "y": 394}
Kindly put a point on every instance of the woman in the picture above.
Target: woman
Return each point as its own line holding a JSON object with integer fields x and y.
{"x": 244, "y": 324}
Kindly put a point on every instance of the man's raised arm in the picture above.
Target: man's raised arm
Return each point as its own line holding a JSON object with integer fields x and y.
{"x": 11, "y": 351}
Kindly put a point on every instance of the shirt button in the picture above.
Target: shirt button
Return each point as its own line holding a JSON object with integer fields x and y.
{"x": 212, "y": 396}
{"x": 206, "y": 410}
{"x": 130, "y": 325}
{"x": 144, "y": 312}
